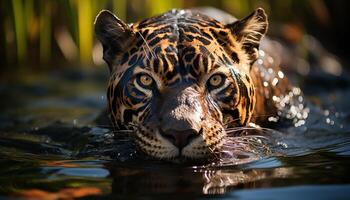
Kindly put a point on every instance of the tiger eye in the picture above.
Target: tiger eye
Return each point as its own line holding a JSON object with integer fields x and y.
{"x": 215, "y": 80}
{"x": 146, "y": 80}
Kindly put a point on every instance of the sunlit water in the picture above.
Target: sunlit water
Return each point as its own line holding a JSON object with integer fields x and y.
{"x": 51, "y": 147}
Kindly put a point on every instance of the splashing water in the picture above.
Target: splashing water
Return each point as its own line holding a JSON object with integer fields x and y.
{"x": 40, "y": 155}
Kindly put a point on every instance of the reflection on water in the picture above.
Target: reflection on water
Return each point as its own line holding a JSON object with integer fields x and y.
{"x": 51, "y": 147}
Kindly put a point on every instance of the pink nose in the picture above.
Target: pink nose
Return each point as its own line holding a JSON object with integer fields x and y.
{"x": 180, "y": 138}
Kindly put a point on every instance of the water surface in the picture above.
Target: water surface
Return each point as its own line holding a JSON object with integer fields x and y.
{"x": 50, "y": 146}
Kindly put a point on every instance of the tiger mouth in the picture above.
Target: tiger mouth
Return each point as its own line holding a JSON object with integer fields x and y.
{"x": 199, "y": 147}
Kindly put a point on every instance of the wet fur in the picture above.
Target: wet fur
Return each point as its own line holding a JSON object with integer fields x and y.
{"x": 181, "y": 50}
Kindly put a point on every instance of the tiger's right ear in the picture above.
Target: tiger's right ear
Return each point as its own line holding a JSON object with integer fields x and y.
{"x": 249, "y": 32}
{"x": 115, "y": 36}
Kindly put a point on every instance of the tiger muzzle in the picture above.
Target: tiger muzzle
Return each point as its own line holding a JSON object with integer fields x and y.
{"x": 180, "y": 116}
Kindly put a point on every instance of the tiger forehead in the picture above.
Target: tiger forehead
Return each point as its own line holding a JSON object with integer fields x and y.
{"x": 179, "y": 27}
{"x": 182, "y": 39}
{"x": 177, "y": 17}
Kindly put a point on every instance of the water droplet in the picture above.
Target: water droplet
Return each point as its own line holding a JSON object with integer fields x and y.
{"x": 260, "y": 61}
{"x": 337, "y": 114}
{"x": 328, "y": 120}
{"x": 301, "y": 106}
{"x": 293, "y": 110}
{"x": 296, "y": 91}
{"x": 300, "y": 98}
{"x": 282, "y": 144}
{"x": 326, "y": 112}
{"x": 299, "y": 123}
{"x": 272, "y": 119}
{"x": 274, "y": 98}
{"x": 266, "y": 83}
{"x": 270, "y": 70}
{"x": 282, "y": 104}
{"x": 280, "y": 74}
{"x": 299, "y": 115}
{"x": 182, "y": 12}
{"x": 274, "y": 81}
{"x": 270, "y": 59}
{"x": 261, "y": 53}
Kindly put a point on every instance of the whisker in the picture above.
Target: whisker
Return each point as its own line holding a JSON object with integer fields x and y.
{"x": 260, "y": 116}
{"x": 231, "y": 121}
{"x": 210, "y": 51}
{"x": 214, "y": 153}
{"x": 149, "y": 48}
{"x": 253, "y": 117}
{"x": 229, "y": 130}
{"x": 144, "y": 50}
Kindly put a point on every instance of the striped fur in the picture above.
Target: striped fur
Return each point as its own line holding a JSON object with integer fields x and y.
{"x": 181, "y": 51}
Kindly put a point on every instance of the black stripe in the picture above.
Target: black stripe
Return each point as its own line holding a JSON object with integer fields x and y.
{"x": 203, "y": 40}
{"x": 234, "y": 57}
{"x": 189, "y": 57}
{"x": 155, "y": 41}
{"x": 133, "y": 60}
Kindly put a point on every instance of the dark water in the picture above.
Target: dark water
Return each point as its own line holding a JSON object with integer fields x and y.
{"x": 50, "y": 147}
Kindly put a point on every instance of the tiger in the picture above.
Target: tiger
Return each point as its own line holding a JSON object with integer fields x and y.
{"x": 181, "y": 79}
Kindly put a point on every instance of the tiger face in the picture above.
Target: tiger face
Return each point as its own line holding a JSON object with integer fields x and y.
{"x": 180, "y": 79}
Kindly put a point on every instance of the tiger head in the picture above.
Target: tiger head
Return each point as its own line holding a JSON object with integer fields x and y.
{"x": 180, "y": 79}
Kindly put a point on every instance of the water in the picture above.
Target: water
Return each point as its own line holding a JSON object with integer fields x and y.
{"x": 51, "y": 147}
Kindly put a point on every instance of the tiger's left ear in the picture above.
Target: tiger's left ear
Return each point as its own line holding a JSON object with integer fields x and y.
{"x": 249, "y": 32}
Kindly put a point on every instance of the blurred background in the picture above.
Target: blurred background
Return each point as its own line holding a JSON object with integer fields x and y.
{"x": 53, "y": 94}
{"x": 42, "y": 34}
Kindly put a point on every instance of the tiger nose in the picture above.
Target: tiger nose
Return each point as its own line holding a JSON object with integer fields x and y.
{"x": 180, "y": 138}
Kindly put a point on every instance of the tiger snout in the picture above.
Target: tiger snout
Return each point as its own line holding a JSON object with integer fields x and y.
{"x": 181, "y": 119}
{"x": 180, "y": 116}
{"x": 180, "y": 138}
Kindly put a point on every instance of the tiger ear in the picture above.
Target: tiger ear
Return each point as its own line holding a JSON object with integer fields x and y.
{"x": 114, "y": 34}
{"x": 249, "y": 32}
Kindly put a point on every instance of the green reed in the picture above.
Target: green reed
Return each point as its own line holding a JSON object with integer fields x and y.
{"x": 33, "y": 28}
{"x": 20, "y": 30}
